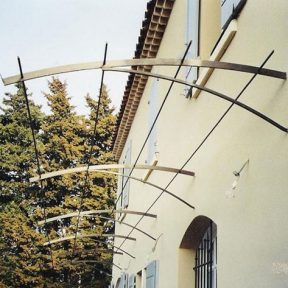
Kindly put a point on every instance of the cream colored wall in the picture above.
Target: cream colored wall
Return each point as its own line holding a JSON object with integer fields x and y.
{"x": 252, "y": 232}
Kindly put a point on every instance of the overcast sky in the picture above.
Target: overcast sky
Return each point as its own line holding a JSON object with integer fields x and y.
{"x": 57, "y": 32}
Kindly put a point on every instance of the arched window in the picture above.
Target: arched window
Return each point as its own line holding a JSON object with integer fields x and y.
{"x": 198, "y": 254}
{"x": 206, "y": 259}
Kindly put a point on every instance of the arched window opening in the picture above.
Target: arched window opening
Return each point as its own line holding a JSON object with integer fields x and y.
{"x": 206, "y": 259}
{"x": 198, "y": 254}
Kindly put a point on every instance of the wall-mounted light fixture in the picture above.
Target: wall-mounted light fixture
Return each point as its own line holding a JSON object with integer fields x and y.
{"x": 231, "y": 192}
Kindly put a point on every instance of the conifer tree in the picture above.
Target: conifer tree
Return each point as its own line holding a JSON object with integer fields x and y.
{"x": 23, "y": 260}
{"x": 63, "y": 140}
{"x": 67, "y": 142}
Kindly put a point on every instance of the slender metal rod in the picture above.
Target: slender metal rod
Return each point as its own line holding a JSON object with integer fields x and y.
{"x": 153, "y": 185}
{"x": 117, "y": 248}
{"x": 211, "y": 254}
{"x": 127, "y": 224}
{"x": 195, "y": 270}
{"x": 96, "y": 268}
{"x": 204, "y": 140}
{"x": 86, "y": 184}
{"x": 154, "y": 122}
{"x": 92, "y": 213}
{"x": 95, "y": 261}
{"x": 42, "y": 196}
{"x": 208, "y": 90}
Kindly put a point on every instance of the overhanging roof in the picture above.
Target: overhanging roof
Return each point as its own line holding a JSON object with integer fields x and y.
{"x": 151, "y": 34}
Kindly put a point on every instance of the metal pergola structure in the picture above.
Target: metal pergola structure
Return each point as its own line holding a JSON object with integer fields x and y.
{"x": 115, "y": 66}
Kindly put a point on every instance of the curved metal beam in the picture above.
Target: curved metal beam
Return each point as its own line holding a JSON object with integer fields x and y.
{"x": 94, "y": 261}
{"x": 150, "y": 184}
{"x": 118, "y": 248}
{"x": 141, "y": 62}
{"x": 88, "y": 213}
{"x": 92, "y": 252}
{"x": 96, "y": 268}
{"x": 210, "y": 91}
{"x": 127, "y": 224}
{"x": 70, "y": 237}
{"x": 109, "y": 166}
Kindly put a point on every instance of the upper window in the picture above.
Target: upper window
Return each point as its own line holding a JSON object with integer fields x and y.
{"x": 192, "y": 34}
{"x": 124, "y": 182}
{"x": 151, "y": 274}
{"x": 152, "y": 113}
{"x": 230, "y": 10}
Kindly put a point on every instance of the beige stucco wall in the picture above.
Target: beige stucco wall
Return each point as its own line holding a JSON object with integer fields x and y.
{"x": 252, "y": 225}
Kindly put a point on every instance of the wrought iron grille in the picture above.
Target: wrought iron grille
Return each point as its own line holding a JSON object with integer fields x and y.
{"x": 206, "y": 260}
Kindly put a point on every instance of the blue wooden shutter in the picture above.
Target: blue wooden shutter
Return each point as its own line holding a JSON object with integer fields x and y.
{"x": 151, "y": 271}
{"x": 131, "y": 281}
{"x": 123, "y": 281}
{"x": 192, "y": 34}
{"x": 152, "y": 141}
{"x": 127, "y": 160}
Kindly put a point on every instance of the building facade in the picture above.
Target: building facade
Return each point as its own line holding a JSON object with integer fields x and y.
{"x": 227, "y": 228}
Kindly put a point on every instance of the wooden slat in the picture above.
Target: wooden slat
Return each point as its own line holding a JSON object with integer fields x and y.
{"x": 110, "y": 166}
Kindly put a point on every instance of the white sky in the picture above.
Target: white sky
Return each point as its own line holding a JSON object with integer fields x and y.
{"x": 57, "y": 32}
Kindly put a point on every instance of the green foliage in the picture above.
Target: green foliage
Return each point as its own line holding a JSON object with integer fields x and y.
{"x": 63, "y": 140}
{"x": 16, "y": 146}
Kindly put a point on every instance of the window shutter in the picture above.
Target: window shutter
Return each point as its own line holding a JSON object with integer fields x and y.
{"x": 131, "y": 281}
{"x": 123, "y": 281}
{"x": 152, "y": 141}
{"x": 192, "y": 34}
{"x": 151, "y": 270}
{"x": 127, "y": 160}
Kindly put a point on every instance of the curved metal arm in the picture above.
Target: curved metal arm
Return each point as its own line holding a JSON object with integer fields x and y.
{"x": 141, "y": 62}
{"x": 96, "y": 268}
{"x": 118, "y": 248}
{"x": 70, "y": 237}
{"x": 94, "y": 261}
{"x": 109, "y": 166}
{"x": 127, "y": 224}
{"x": 91, "y": 212}
{"x": 88, "y": 213}
{"x": 210, "y": 91}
